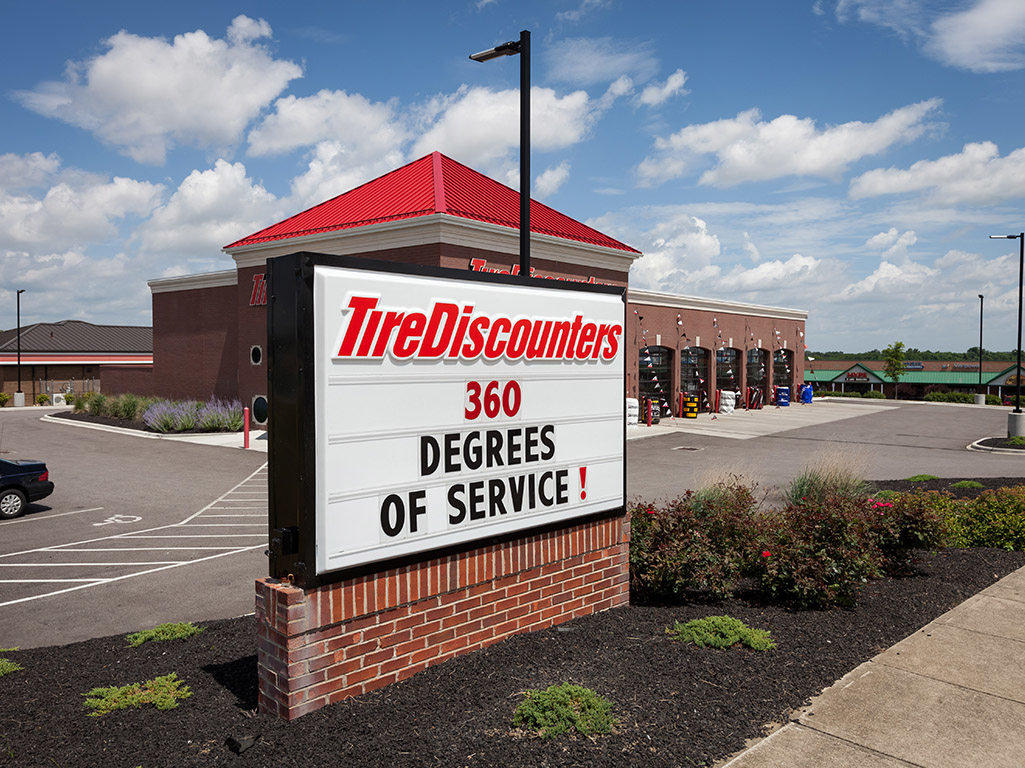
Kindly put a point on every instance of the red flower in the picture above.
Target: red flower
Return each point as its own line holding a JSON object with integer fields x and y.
{"x": 766, "y": 553}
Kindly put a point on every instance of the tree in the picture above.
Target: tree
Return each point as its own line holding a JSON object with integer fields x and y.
{"x": 893, "y": 361}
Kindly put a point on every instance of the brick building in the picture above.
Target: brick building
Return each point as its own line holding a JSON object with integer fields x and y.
{"x": 67, "y": 356}
{"x": 210, "y": 329}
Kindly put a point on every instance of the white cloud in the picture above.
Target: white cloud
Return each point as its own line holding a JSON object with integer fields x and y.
{"x": 655, "y": 93}
{"x": 74, "y": 209}
{"x": 586, "y": 61}
{"x": 27, "y": 171}
{"x": 334, "y": 168}
{"x": 350, "y": 120}
{"x": 975, "y": 175}
{"x": 890, "y": 280}
{"x": 145, "y": 95}
{"x": 748, "y": 149}
{"x": 585, "y": 7}
{"x": 982, "y": 36}
{"x": 209, "y": 209}
{"x": 548, "y": 183}
{"x": 893, "y": 244}
{"x": 480, "y": 127}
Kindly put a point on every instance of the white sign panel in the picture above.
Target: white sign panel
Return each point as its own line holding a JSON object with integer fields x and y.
{"x": 453, "y": 410}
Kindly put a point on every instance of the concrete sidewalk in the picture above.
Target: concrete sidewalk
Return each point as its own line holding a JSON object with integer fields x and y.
{"x": 950, "y": 695}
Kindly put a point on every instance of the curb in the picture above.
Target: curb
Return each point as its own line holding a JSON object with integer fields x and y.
{"x": 977, "y": 446}
{"x": 196, "y": 438}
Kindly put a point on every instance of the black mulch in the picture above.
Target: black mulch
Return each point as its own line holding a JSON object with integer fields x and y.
{"x": 947, "y": 485}
{"x": 677, "y": 705}
{"x": 110, "y": 421}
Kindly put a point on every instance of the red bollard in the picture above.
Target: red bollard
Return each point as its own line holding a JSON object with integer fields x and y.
{"x": 245, "y": 427}
{"x": 649, "y": 411}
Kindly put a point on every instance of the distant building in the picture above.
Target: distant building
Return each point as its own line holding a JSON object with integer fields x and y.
{"x": 919, "y": 377}
{"x": 66, "y": 356}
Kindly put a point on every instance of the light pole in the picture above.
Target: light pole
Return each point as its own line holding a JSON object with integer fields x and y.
{"x": 511, "y": 48}
{"x": 19, "y": 396}
{"x": 1015, "y": 421}
{"x": 980, "y": 346}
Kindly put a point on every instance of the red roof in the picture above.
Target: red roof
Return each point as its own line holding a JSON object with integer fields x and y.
{"x": 433, "y": 184}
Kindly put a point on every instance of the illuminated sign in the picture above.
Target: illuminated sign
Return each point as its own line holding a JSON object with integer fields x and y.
{"x": 449, "y": 409}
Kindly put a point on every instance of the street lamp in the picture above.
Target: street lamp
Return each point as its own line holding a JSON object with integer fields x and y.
{"x": 980, "y": 344}
{"x": 1015, "y": 421}
{"x": 511, "y": 48}
{"x": 19, "y": 396}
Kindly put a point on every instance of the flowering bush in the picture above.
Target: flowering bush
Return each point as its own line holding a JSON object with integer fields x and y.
{"x": 214, "y": 416}
{"x": 821, "y": 551}
{"x": 905, "y": 522}
{"x": 697, "y": 542}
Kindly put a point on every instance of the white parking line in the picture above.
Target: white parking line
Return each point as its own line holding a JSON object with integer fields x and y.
{"x": 36, "y": 518}
{"x": 148, "y": 533}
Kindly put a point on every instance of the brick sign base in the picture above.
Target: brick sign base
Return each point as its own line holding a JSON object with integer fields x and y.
{"x": 329, "y": 643}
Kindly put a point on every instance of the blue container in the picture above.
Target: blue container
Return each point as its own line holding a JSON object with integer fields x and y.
{"x": 782, "y": 395}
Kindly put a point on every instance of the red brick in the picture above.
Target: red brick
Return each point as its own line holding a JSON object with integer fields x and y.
{"x": 298, "y": 682}
{"x": 395, "y": 638}
{"x": 344, "y": 693}
{"x": 379, "y": 682}
{"x": 426, "y": 629}
{"x": 413, "y": 645}
{"x": 361, "y": 675}
{"x": 424, "y": 655}
{"x": 356, "y": 651}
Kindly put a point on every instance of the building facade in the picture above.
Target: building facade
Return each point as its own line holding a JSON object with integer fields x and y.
{"x": 67, "y": 356}
{"x": 210, "y": 330}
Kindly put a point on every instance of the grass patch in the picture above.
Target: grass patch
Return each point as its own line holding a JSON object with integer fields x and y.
{"x": 7, "y": 666}
{"x": 562, "y": 708}
{"x": 920, "y": 478}
{"x": 1016, "y": 440}
{"x": 162, "y": 692}
{"x": 721, "y": 632}
{"x": 967, "y": 484}
{"x": 170, "y": 631}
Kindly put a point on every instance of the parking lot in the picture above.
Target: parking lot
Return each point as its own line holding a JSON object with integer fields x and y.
{"x": 137, "y": 532}
{"x": 143, "y": 531}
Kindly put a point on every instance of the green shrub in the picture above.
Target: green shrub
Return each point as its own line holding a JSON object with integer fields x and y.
{"x": 819, "y": 552}
{"x": 950, "y": 397}
{"x": 5, "y": 398}
{"x": 835, "y": 393}
{"x": 97, "y": 404}
{"x": 125, "y": 407}
{"x": 79, "y": 404}
{"x": 7, "y": 667}
{"x": 1016, "y": 440}
{"x": 874, "y": 394}
{"x": 721, "y": 632}
{"x": 162, "y": 692}
{"x": 996, "y": 518}
{"x": 42, "y": 399}
{"x": 993, "y": 400}
{"x": 698, "y": 542}
{"x": 920, "y": 478}
{"x": 565, "y": 707}
{"x": 170, "y": 631}
{"x": 968, "y": 484}
{"x": 906, "y": 522}
{"x": 829, "y": 479}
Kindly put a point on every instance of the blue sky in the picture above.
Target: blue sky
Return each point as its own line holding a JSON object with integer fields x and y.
{"x": 849, "y": 158}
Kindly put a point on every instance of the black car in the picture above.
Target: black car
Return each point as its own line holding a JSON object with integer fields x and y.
{"x": 22, "y": 481}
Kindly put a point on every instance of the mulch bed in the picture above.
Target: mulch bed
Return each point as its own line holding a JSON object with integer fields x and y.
{"x": 109, "y": 421}
{"x": 946, "y": 485}
{"x": 677, "y": 705}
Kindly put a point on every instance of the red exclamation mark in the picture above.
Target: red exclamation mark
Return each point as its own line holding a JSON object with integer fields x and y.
{"x": 583, "y": 482}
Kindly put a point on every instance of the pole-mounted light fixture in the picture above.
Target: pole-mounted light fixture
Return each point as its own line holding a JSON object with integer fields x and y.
{"x": 512, "y": 48}
{"x": 18, "y": 296}
{"x": 980, "y": 342}
{"x": 1020, "y": 237}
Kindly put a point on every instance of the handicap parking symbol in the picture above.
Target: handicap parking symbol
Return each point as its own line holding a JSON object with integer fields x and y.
{"x": 119, "y": 519}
